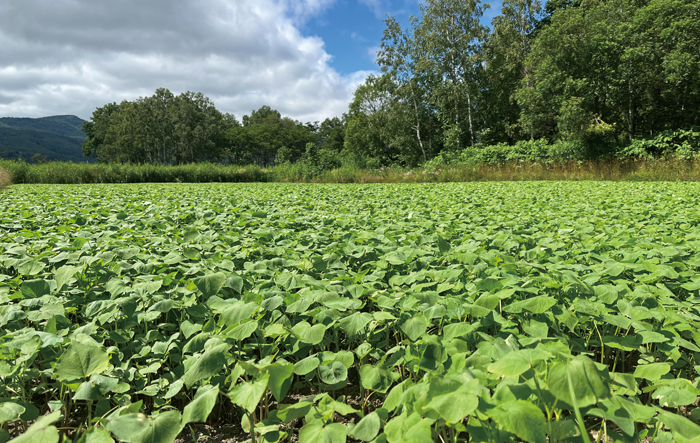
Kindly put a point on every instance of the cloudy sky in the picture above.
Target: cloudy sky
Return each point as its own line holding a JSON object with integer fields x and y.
{"x": 302, "y": 57}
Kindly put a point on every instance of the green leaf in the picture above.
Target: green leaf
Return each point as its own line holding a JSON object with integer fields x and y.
{"x": 35, "y": 288}
{"x": 580, "y": 378}
{"x": 10, "y": 411}
{"x": 521, "y": 418}
{"x": 652, "y": 371}
{"x": 190, "y": 234}
{"x": 564, "y": 429}
{"x": 312, "y": 335}
{"x": 210, "y": 284}
{"x": 450, "y": 399}
{"x": 674, "y": 397}
{"x": 248, "y": 395}
{"x": 393, "y": 399}
{"x": 174, "y": 389}
{"x": 618, "y": 410}
{"x": 368, "y": 428}
{"x": 354, "y": 324}
{"x": 306, "y": 365}
{"x": 289, "y": 281}
{"x": 375, "y": 378}
{"x": 137, "y": 428}
{"x": 517, "y": 362}
{"x": 415, "y": 327}
{"x": 536, "y": 305}
{"x": 96, "y": 435}
{"x": 162, "y": 306}
{"x": 238, "y": 312}
{"x": 335, "y": 373}
{"x": 443, "y": 245}
{"x": 31, "y": 267}
{"x": 83, "y": 358}
{"x": 280, "y": 379}
{"x": 41, "y": 431}
{"x": 209, "y": 364}
{"x": 457, "y": 330}
{"x": 63, "y": 275}
{"x": 409, "y": 429}
{"x": 287, "y": 413}
{"x": 243, "y": 331}
{"x": 317, "y": 433}
{"x": 199, "y": 409}
{"x": 235, "y": 282}
{"x": 511, "y": 364}
{"x": 679, "y": 425}
{"x": 87, "y": 391}
{"x": 275, "y": 330}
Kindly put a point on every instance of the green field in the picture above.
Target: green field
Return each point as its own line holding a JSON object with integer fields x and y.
{"x": 557, "y": 311}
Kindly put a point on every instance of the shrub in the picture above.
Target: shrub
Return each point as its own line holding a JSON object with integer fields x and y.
{"x": 681, "y": 143}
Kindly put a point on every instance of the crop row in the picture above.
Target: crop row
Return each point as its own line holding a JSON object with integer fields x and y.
{"x": 407, "y": 313}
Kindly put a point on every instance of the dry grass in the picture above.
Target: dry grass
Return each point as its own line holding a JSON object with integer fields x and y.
{"x": 5, "y": 178}
{"x": 673, "y": 169}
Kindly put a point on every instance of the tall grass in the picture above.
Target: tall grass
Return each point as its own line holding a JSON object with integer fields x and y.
{"x": 77, "y": 173}
{"x": 5, "y": 178}
{"x": 669, "y": 169}
{"x": 662, "y": 169}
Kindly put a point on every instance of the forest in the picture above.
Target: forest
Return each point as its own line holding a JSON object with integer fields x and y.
{"x": 560, "y": 81}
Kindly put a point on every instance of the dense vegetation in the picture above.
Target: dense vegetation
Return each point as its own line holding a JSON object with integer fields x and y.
{"x": 570, "y": 81}
{"x": 57, "y": 138}
{"x": 588, "y": 76}
{"x": 401, "y": 313}
{"x": 165, "y": 129}
{"x": 484, "y": 166}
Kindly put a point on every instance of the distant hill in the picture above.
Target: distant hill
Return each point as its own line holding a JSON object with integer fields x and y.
{"x": 56, "y": 138}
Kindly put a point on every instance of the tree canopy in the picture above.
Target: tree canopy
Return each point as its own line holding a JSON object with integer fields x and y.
{"x": 167, "y": 129}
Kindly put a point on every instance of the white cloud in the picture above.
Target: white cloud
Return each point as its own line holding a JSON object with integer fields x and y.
{"x": 377, "y": 6}
{"x": 71, "y": 56}
{"x": 382, "y": 8}
{"x": 372, "y": 52}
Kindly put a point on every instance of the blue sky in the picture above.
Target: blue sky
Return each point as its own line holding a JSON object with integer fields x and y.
{"x": 304, "y": 58}
{"x": 352, "y": 30}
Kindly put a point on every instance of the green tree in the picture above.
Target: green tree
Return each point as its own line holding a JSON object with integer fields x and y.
{"x": 266, "y": 138}
{"x": 331, "y": 134}
{"x": 505, "y": 52}
{"x": 367, "y": 137}
{"x": 614, "y": 67}
{"x": 161, "y": 129}
{"x": 400, "y": 57}
{"x": 96, "y": 128}
{"x": 451, "y": 36}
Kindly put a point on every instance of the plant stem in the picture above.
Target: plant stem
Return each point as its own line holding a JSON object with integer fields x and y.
{"x": 579, "y": 418}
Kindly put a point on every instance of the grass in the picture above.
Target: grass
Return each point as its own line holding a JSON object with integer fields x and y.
{"x": 5, "y": 178}
{"x": 663, "y": 169}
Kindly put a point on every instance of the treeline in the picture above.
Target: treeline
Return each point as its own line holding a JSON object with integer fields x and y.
{"x": 590, "y": 75}
{"x": 165, "y": 129}
{"x": 568, "y": 80}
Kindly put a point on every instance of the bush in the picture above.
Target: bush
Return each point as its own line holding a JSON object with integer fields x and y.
{"x": 681, "y": 143}
{"x": 530, "y": 151}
